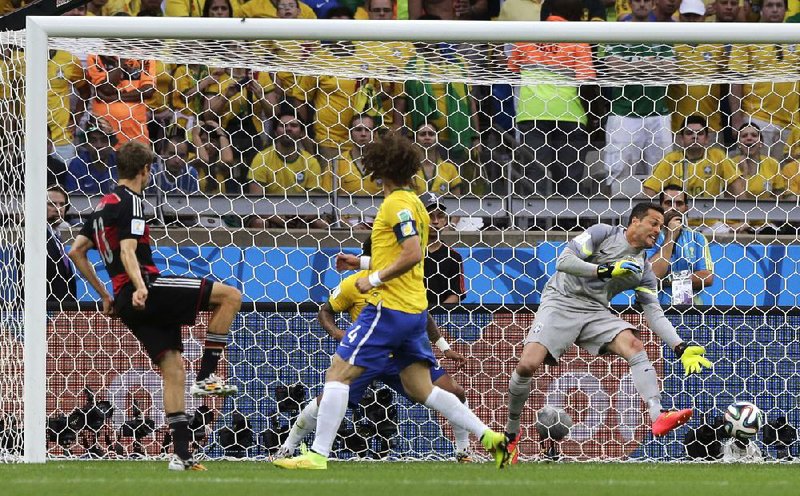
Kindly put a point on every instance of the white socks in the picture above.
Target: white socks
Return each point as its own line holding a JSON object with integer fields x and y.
{"x": 304, "y": 425}
{"x": 461, "y": 435}
{"x": 331, "y": 412}
{"x": 453, "y": 410}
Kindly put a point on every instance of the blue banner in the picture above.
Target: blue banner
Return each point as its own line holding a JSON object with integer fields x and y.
{"x": 751, "y": 275}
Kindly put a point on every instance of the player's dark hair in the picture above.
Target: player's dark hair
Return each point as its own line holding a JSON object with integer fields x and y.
{"x": 132, "y": 157}
{"x": 640, "y": 210}
{"x": 392, "y": 156}
{"x": 672, "y": 187}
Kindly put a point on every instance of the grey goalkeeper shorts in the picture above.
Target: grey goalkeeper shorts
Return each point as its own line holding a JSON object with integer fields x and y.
{"x": 557, "y": 328}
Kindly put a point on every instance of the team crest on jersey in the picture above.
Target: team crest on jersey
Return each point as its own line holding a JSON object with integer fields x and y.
{"x": 300, "y": 176}
{"x": 537, "y": 328}
{"x": 443, "y": 188}
{"x": 707, "y": 170}
{"x": 137, "y": 227}
{"x": 405, "y": 215}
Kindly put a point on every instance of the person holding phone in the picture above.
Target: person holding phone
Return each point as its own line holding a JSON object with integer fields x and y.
{"x": 680, "y": 258}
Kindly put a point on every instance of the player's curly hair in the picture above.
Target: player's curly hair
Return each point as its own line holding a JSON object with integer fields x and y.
{"x": 392, "y": 156}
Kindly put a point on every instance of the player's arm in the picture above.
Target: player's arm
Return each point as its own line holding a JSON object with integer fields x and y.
{"x": 703, "y": 267}
{"x": 691, "y": 357}
{"x": 78, "y": 253}
{"x": 327, "y": 319}
{"x": 410, "y": 255}
{"x": 436, "y": 338}
{"x": 573, "y": 259}
{"x": 127, "y": 254}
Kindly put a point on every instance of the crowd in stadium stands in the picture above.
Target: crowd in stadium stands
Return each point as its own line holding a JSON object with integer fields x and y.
{"x": 235, "y": 131}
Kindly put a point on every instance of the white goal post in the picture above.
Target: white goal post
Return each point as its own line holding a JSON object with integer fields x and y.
{"x": 42, "y": 32}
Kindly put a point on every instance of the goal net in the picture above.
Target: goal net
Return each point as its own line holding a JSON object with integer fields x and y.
{"x": 258, "y": 184}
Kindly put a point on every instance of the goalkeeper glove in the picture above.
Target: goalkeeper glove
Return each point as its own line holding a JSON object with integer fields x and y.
{"x": 617, "y": 269}
{"x": 692, "y": 358}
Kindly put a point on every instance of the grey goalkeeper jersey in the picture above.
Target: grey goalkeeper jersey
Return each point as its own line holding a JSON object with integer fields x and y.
{"x": 576, "y": 286}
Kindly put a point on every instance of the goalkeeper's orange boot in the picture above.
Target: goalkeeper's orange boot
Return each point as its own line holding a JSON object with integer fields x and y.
{"x": 513, "y": 448}
{"x": 671, "y": 420}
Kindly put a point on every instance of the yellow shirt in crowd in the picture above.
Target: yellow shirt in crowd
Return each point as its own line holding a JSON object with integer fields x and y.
{"x": 63, "y": 70}
{"x": 706, "y": 177}
{"x": 443, "y": 181}
{"x": 279, "y": 177}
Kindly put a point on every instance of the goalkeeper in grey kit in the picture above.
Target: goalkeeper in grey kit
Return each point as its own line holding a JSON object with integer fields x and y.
{"x": 594, "y": 267}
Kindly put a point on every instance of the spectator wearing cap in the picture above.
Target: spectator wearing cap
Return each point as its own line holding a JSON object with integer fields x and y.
{"x": 94, "y": 170}
{"x": 444, "y": 273}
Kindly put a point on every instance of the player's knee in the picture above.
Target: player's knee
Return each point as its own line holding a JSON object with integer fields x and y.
{"x": 635, "y": 345}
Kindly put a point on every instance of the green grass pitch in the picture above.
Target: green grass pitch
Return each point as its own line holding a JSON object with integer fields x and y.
{"x": 121, "y": 478}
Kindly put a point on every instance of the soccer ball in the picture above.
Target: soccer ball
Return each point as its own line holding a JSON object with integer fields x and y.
{"x": 743, "y": 420}
{"x": 552, "y": 423}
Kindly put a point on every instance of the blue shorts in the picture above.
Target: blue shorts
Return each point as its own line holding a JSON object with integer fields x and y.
{"x": 380, "y": 335}
{"x": 390, "y": 377}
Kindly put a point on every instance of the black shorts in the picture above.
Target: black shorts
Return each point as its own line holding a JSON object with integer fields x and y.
{"x": 172, "y": 302}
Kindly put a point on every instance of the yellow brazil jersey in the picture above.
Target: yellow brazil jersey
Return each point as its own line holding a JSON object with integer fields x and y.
{"x": 12, "y": 73}
{"x": 702, "y": 99}
{"x": 163, "y": 87}
{"x": 347, "y": 298}
{"x": 265, "y": 8}
{"x": 768, "y": 180}
{"x": 400, "y": 216}
{"x": 708, "y": 176}
{"x": 444, "y": 179}
{"x": 130, "y": 7}
{"x": 63, "y": 70}
{"x": 280, "y": 177}
{"x": 351, "y": 178}
{"x": 791, "y": 174}
{"x": 768, "y": 101}
{"x": 334, "y": 99}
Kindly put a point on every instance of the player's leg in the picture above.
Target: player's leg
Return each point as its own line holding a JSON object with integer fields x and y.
{"x": 225, "y": 301}
{"x": 417, "y": 383}
{"x": 164, "y": 347}
{"x": 447, "y": 382}
{"x": 306, "y": 422}
{"x": 629, "y": 347}
{"x": 304, "y": 425}
{"x": 174, "y": 377}
{"x": 365, "y": 346}
{"x": 553, "y": 331}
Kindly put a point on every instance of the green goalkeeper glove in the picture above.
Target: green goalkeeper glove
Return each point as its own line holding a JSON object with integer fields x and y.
{"x": 618, "y": 269}
{"x": 692, "y": 358}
